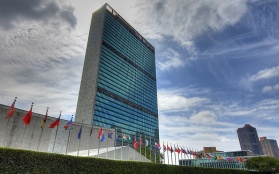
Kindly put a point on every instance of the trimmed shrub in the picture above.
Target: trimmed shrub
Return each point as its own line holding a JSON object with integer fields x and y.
{"x": 23, "y": 161}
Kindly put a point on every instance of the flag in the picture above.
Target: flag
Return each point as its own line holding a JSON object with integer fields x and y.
{"x": 110, "y": 134}
{"x": 168, "y": 148}
{"x": 55, "y": 123}
{"x": 27, "y": 117}
{"x": 101, "y": 135}
{"x": 126, "y": 139}
{"x": 79, "y": 133}
{"x": 146, "y": 142}
{"x": 69, "y": 125}
{"x": 44, "y": 119}
{"x": 91, "y": 131}
{"x": 171, "y": 150}
{"x": 157, "y": 146}
{"x": 135, "y": 144}
{"x": 177, "y": 150}
{"x": 183, "y": 151}
{"x": 11, "y": 111}
{"x": 141, "y": 143}
{"x": 164, "y": 147}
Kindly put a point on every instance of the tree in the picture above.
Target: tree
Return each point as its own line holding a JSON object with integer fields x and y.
{"x": 263, "y": 164}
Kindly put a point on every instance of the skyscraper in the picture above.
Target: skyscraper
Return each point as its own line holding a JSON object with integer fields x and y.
{"x": 249, "y": 140}
{"x": 118, "y": 85}
{"x": 270, "y": 147}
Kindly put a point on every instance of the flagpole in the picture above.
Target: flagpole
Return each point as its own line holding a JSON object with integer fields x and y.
{"x": 171, "y": 155}
{"x": 164, "y": 153}
{"x": 89, "y": 144}
{"x": 107, "y": 149}
{"x": 168, "y": 153}
{"x": 99, "y": 141}
{"x": 140, "y": 146}
{"x": 174, "y": 154}
{"x": 80, "y": 137}
{"x": 55, "y": 135}
{"x": 178, "y": 154}
{"x": 145, "y": 148}
{"x": 155, "y": 150}
{"x": 122, "y": 148}
{"x": 3, "y": 137}
{"x": 22, "y": 144}
{"x": 68, "y": 136}
{"x": 68, "y": 142}
{"x": 135, "y": 149}
{"x": 129, "y": 147}
{"x": 150, "y": 149}
{"x": 115, "y": 141}
{"x": 42, "y": 130}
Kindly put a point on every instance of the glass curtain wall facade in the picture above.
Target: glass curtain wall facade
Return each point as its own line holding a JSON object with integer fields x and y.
{"x": 125, "y": 93}
{"x": 249, "y": 140}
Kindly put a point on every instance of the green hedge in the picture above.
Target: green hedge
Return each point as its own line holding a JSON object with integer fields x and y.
{"x": 22, "y": 161}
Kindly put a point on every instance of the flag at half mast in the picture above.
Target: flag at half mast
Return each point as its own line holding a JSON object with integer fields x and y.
{"x": 56, "y": 122}
{"x": 44, "y": 119}
{"x": 11, "y": 111}
{"x": 101, "y": 135}
{"x": 27, "y": 117}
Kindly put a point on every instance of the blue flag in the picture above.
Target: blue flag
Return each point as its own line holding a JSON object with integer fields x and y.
{"x": 110, "y": 134}
{"x": 79, "y": 133}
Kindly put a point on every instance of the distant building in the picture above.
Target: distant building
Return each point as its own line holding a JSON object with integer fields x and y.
{"x": 210, "y": 149}
{"x": 118, "y": 86}
{"x": 226, "y": 160}
{"x": 269, "y": 147}
{"x": 249, "y": 140}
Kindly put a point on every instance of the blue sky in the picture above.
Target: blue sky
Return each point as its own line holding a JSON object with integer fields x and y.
{"x": 217, "y": 62}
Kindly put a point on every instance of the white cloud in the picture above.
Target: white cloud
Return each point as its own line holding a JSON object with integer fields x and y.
{"x": 41, "y": 67}
{"x": 266, "y": 74}
{"x": 171, "y": 100}
{"x": 193, "y": 132}
{"x": 183, "y": 20}
{"x": 268, "y": 89}
{"x": 205, "y": 117}
{"x": 170, "y": 59}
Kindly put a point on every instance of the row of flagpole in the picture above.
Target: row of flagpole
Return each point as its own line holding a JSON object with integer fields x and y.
{"x": 188, "y": 153}
{"x": 27, "y": 119}
{"x": 69, "y": 126}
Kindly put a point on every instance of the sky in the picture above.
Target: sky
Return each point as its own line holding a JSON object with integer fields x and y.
{"x": 216, "y": 62}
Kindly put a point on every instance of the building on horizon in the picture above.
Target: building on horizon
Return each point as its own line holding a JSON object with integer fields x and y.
{"x": 210, "y": 149}
{"x": 269, "y": 147}
{"x": 249, "y": 140}
{"x": 118, "y": 85}
{"x": 225, "y": 160}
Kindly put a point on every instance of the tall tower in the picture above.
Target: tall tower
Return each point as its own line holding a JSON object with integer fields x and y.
{"x": 270, "y": 147}
{"x": 249, "y": 140}
{"x": 118, "y": 85}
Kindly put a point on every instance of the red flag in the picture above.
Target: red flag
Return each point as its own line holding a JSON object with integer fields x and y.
{"x": 100, "y": 133}
{"x": 135, "y": 144}
{"x": 55, "y": 123}
{"x": 11, "y": 111}
{"x": 177, "y": 150}
{"x": 168, "y": 148}
{"x": 27, "y": 117}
